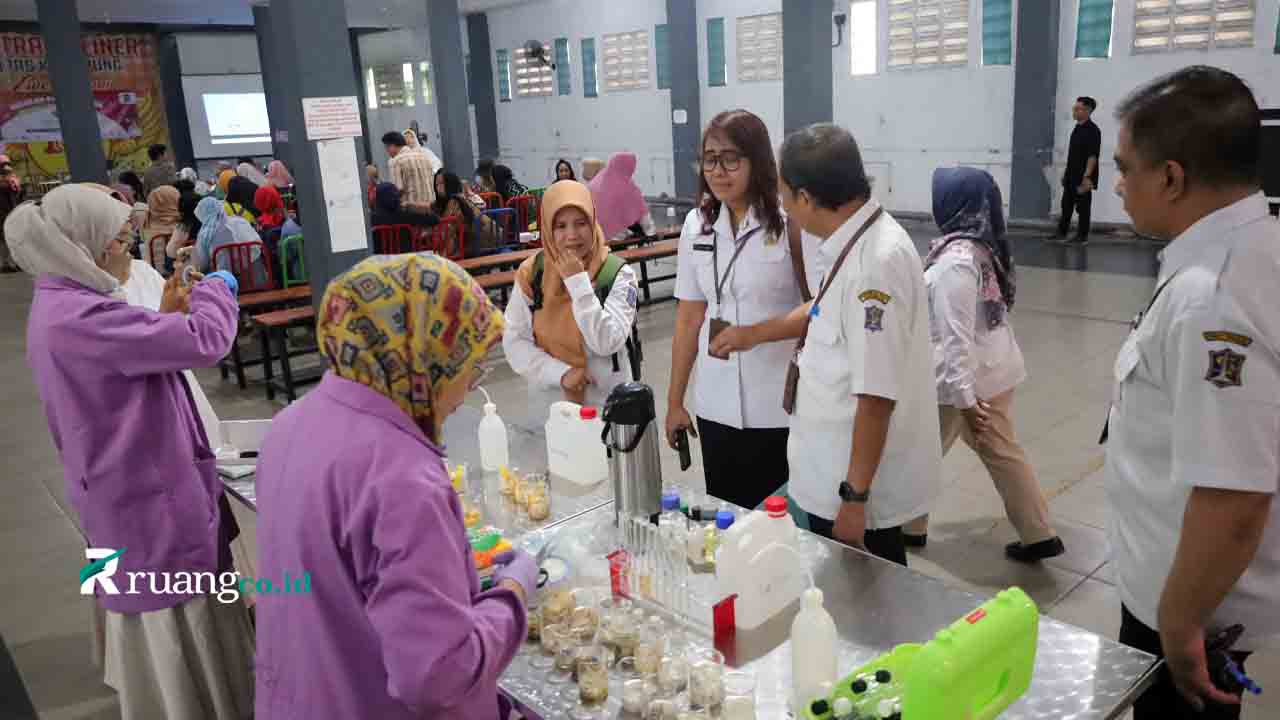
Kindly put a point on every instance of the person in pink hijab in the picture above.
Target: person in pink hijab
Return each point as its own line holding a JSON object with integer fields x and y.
{"x": 279, "y": 175}
{"x": 619, "y": 202}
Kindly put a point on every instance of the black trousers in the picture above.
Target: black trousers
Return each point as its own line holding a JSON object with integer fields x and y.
{"x": 884, "y": 543}
{"x": 1073, "y": 201}
{"x": 743, "y": 466}
{"x": 1162, "y": 701}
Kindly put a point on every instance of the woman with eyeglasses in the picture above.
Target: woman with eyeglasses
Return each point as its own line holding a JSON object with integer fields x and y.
{"x": 738, "y": 266}
{"x": 352, "y": 489}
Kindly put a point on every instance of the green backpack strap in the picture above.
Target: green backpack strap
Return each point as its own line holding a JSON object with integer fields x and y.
{"x": 608, "y": 273}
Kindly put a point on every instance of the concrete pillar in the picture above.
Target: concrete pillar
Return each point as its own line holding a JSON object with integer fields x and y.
{"x": 175, "y": 105}
{"x": 481, "y": 76}
{"x": 69, "y": 73}
{"x": 268, "y": 41}
{"x": 302, "y": 28}
{"x": 444, "y": 31}
{"x": 806, "y": 64}
{"x": 686, "y": 95}
{"x": 1035, "y": 97}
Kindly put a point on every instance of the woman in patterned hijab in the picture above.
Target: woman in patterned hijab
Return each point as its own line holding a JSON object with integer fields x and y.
{"x": 410, "y": 327}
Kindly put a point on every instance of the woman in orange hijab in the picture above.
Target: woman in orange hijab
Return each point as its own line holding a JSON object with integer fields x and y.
{"x": 563, "y": 331}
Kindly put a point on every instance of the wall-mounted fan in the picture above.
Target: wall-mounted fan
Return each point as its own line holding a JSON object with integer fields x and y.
{"x": 536, "y": 51}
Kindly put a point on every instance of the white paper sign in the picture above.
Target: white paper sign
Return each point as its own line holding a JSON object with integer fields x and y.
{"x": 340, "y": 183}
{"x": 332, "y": 117}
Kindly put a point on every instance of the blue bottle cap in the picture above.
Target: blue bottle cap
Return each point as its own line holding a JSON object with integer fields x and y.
{"x": 724, "y": 519}
{"x": 670, "y": 501}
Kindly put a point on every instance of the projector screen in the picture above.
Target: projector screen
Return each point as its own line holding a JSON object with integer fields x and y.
{"x": 227, "y": 114}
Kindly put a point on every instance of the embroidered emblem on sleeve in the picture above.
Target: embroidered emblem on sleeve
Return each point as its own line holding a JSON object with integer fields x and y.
{"x": 879, "y": 296}
{"x": 1225, "y": 368}
{"x": 1228, "y": 337}
{"x": 875, "y": 318}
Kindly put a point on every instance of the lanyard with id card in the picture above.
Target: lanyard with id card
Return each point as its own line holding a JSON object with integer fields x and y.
{"x": 718, "y": 324}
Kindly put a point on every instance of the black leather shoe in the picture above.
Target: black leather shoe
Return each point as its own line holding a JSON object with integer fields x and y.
{"x": 915, "y": 541}
{"x": 1035, "y": 552}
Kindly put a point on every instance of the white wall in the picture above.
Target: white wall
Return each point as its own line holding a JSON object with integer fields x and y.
{"x": 909, "y": 122}
{"x": 395, "y": 47}
{"x": 762, "y": 98}
{"x": 1110, "y": 80}
{"x": 534, "y": 132}
{"x": 218, "y": 53}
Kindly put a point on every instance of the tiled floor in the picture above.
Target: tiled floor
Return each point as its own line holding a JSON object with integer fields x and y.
{"x": 1072, "y": 313}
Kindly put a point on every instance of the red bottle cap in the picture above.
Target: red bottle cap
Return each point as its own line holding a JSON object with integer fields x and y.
{"x": 775, "y": 505}
{"x": 587, "y": 413}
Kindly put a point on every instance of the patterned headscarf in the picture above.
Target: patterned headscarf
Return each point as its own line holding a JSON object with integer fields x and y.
{"x": 408, "y": 326}
{"x": 967, "y": 205}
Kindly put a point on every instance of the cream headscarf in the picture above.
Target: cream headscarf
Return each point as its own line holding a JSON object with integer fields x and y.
{"x": 65, "y": 232}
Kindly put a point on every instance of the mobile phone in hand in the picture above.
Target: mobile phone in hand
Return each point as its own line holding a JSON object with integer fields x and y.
{"x": 682, "y": 446}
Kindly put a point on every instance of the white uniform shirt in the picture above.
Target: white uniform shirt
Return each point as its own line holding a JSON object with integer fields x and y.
{"x": 972, "y": 361}
{"x": 1209, "y": 350}
{"x": 870, "y": 336}
{"x": 744, "y": 391}
{"x": 605, "y": 330}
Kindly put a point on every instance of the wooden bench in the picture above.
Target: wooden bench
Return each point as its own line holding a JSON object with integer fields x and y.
{"x": 273, "y": 327}
{"x": 255, "y": 304}
{"x": 485, "y": 263}
{"x": 642, "y": 255}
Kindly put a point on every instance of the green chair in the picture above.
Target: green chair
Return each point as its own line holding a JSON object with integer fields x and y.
{"x": 290, "y": 278}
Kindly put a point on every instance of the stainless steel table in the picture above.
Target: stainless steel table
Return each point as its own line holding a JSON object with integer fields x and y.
{"x": 877, "y": 605}
{"x": 528, "y": 452}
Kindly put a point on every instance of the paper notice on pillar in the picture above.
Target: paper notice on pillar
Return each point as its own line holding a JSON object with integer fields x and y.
{"x": 332, "y": 117}
{"x": 340, "y": 183}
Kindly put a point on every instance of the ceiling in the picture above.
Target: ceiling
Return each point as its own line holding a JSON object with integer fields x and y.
{"x": 360, "y": 13}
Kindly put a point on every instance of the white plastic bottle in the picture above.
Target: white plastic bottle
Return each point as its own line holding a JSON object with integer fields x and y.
{"x": 813, "y": 649}
{"x": 765, "y": 582}
{"x": 493, "y": 440}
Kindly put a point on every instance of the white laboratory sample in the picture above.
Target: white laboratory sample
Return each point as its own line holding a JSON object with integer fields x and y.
{"x": 813, "y": 649}
{"x": 493, "y": 440}
{"x": 765, "y": 582}
{"x": 574, "y": 449}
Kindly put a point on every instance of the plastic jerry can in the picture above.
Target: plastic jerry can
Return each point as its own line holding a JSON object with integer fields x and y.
{"x": 768, "y": 584}
{"x": 979, "y": 665}
{"x": 574, "y": 450}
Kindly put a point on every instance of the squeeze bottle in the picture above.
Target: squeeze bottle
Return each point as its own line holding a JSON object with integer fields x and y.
{"x": 493, "y": 440}
{"x": 813, "y": 649}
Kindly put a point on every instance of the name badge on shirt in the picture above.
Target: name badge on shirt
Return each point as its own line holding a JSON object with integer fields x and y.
{"x": 704, "y": 247}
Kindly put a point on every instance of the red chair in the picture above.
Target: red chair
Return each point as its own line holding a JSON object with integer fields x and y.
{"x": 492, "y": 200}
{"x": 526, "y": 207}
{"x": 448, "y": 239}
{"x": 254, "y": 276}
{"x": 394, "y": 239}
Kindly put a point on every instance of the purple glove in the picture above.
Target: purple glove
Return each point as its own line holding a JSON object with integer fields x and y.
{"x": 519, "y": 567}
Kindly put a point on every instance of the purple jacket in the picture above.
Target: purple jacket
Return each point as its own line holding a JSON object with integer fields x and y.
{"x": 135, "y": 457}
{"x": 394, "y": 626}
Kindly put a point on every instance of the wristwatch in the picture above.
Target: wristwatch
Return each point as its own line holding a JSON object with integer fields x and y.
{"x": 849, "y": 495}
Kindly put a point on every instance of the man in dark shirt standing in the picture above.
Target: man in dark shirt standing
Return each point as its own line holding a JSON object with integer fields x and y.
{"x": 1081, "y": 177}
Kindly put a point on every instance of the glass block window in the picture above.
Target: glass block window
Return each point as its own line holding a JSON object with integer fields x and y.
{"x": 1170, "y": 25}
{"x": 715, "y": 52}
{"x": 590, "y": 87}
{"x": 760, "y": 48}
{"x": 1093, "y": 29}
{"x": 563, "y": 84}
{"x": 662, "y": 49}
{"x": 626, "y": 61}
{"x": 392, "y": 86}
{"x": 534, "y": 77}
{"x": 928, "y": 33}
{"x": 504, "y": 77}
{"x": 997, "y": 32}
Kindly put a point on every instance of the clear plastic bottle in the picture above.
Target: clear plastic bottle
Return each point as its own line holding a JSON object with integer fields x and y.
{"x": 672, "y": 524}
{"x": 493, "y": 440}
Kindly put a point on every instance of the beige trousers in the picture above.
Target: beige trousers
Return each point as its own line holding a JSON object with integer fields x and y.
{"x": 1007, "y": 464}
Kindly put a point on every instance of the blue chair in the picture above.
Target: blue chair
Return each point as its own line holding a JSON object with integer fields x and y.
{"x": 509, "y": 239}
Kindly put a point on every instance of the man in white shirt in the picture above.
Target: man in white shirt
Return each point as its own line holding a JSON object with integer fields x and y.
{"x": 864, "y": 451}
{"x": 1194, "y": 534}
